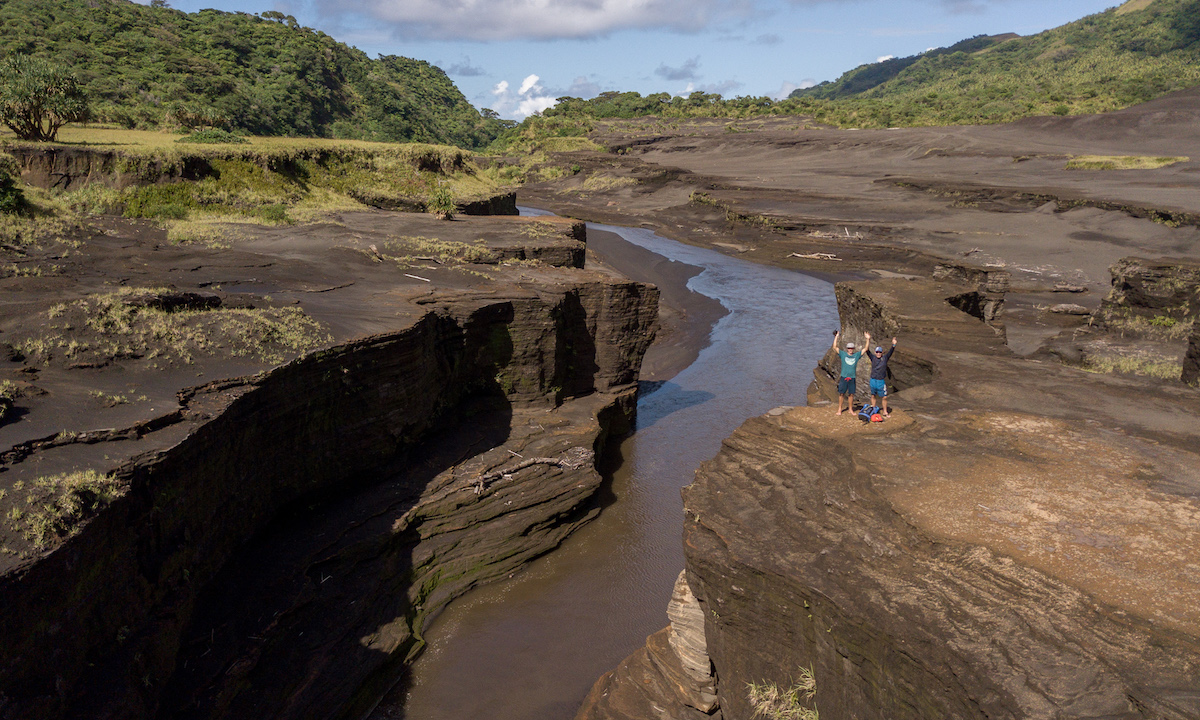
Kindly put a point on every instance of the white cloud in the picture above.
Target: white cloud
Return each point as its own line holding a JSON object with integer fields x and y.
{"x": 884, "y": 58}
{"x": 529, "y": 99}
{"x": 533, "y": 105}
{"x": 528, "y": 84}
{"x": 557, "y": 19}
{"x": 537, "y": 19}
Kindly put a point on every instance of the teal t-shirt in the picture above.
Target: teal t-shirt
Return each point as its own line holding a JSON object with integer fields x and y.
{"x": 849, "y": 363}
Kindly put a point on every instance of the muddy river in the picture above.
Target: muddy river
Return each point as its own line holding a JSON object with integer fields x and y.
{"x": 532, "y": 646}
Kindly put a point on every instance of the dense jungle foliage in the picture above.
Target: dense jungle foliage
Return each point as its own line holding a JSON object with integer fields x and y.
{"x": 154, "y": 67}
{"x": 1113, "y": 59}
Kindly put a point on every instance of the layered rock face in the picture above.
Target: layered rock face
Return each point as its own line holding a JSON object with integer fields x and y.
{"x": 283, "y": 555}
{"x": 671, "y": 677}
{"x": 1143, "y": 324}
{"x": 67, "y": 168}
{"x": 1019, "y": 540}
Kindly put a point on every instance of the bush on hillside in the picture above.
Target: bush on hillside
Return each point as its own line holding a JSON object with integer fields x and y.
{"x": 212, "y": 135}
{"x": 12, "y": 200}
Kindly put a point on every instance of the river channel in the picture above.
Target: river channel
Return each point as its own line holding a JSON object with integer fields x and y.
{"x": 531, "y": 647}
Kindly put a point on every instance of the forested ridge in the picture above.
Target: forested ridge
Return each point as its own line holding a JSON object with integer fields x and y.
{"x": 1106, "y": 61}
{"x": 153, "y": 66}
{"x": 1112, "y": 59}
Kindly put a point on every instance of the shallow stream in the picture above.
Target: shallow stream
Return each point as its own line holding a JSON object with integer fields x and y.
{"x": 532, "y": 646}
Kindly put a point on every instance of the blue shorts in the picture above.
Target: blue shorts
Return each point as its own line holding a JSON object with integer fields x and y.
{"x": 878, "y": 388}
{"x": 846, "y": 386}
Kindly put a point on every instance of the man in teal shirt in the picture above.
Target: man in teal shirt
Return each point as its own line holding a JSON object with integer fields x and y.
{"x": 849, "y": 373}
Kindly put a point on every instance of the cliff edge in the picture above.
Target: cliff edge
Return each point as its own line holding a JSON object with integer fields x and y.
{"x": 1019, "y": 540}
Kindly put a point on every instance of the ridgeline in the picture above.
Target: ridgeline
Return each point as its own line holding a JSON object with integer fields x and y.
{"x": 1120, "y": 57}
{"x": 148, "y": 67}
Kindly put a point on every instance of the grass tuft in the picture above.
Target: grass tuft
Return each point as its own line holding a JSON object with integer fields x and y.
{"x": 772, "y": 702}
{"x": 60, "y": 503}
{"x": 9, "y": 392}
{"x": 1121, "y": 162}
{"x": 107, "y": 327}
{"x": 1145, "y": 365}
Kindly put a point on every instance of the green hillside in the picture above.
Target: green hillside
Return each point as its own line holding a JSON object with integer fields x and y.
{"x": 148, "y": 67}
{"x": 1120, "y": 57}
{"x": 865, "y": 77}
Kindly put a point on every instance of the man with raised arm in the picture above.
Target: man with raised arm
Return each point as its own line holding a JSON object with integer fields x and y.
{"x": 879, "y": 364}
{"x": 849, "y": 371}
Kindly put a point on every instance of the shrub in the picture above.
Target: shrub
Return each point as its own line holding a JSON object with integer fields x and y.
{"x": 12, "y": 200}
{"x": 9, "y": 392}
{"x": 213, "y": 136}
{"x": 441, "y": 203}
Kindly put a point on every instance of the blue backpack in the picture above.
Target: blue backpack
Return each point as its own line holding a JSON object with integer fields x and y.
{"x": 866, "y": 412}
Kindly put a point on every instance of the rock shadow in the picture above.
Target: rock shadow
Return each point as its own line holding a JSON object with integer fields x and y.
{"x": 664, "y": 399}
{"x": 305, "y": 596}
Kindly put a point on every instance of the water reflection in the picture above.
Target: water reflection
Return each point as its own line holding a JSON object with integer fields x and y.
{"x": 531, "y": 647}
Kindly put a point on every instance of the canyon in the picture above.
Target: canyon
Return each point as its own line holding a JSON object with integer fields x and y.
{"x": 1019, "y": 539}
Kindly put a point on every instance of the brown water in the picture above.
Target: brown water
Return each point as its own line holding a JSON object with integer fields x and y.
{"x": 532, "y": 646}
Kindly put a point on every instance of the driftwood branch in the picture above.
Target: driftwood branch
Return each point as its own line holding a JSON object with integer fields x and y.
{"x": 572, "y": 459}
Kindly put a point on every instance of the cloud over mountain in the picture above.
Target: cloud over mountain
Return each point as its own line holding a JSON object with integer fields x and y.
{"x": 561, "y": 19}
{"x": 536, "y": 19}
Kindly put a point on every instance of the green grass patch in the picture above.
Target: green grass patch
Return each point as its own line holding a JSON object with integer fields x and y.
{"x": 601, "y": 183}
{"x": 271, "y": 181}
{"x": 1163, "y": 328}
{"x": 1121, "y": 162}
{"x": 115, "y": 326}
{"x": 213, "y": 136}
{"x": 1144, "y": 364}
{"x": 57, "y": 505}
{"x": 411, "y": 249}
{"x": 9, "y": 392}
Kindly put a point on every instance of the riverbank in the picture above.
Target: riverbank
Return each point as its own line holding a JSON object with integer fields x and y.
{"x": 520, "y": 639}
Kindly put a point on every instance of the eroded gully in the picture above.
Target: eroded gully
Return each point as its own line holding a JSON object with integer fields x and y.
{"x": 532, "y": 646}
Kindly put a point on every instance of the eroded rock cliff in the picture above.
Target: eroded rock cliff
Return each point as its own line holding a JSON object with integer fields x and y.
{"x": 286, "y": 547}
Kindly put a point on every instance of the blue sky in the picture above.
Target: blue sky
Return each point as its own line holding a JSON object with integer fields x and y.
{"x": 516, "y": 56}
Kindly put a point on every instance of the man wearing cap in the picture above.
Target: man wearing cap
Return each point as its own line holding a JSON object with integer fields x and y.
{"x": 879, "y": 364}
{"x": 848, "y": 375}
